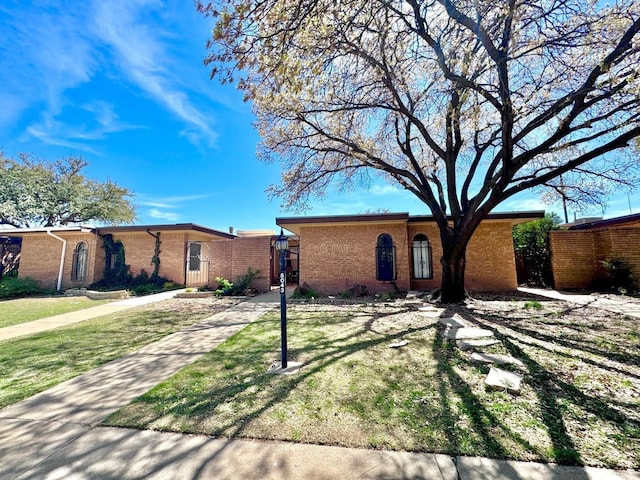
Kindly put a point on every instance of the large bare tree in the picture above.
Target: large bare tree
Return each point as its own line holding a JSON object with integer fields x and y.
{"x": 464, "y": 103}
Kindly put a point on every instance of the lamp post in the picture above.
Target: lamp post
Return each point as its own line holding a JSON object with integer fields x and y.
{"x": 282, "y": 245}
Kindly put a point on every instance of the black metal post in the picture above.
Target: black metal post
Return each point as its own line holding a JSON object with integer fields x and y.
{"x": 283, "y": 308}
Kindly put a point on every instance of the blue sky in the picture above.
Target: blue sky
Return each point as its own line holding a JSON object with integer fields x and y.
{"x": 122, "y": 83}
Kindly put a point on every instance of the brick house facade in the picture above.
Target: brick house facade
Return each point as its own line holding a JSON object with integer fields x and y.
{"x": 577, "y": 253}
{"x": 68, "y": 257}
{"x": 339, "y": 252}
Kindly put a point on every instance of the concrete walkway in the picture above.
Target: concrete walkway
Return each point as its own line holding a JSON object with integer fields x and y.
{"x": 56, "y": 434}
{"x": 619, "y": 305}
{"x": 49, "y": 323}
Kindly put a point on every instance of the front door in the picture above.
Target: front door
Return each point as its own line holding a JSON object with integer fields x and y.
{"x": 197, "y": 266}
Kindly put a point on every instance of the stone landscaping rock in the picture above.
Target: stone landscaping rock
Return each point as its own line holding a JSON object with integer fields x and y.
{"x": 504, "y": 380}
{"x": 399, "y": 344}
{"x": 452, "y": 322}
{"x": 428, "y": 308}
{"x": 495, "y": 358}
{"x": 470, "y": 344}
{"x": 468, "y": 333}
{"x": 432, "y": 314}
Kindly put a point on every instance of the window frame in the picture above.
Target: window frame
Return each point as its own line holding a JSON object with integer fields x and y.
{"x": 420, "y": 244}
{"x": 79, "y": 262}
{"x": 385, "y": 258}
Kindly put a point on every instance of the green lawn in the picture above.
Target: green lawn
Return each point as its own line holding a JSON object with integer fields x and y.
{"x": 31, "y": 364}
{"x": 580, "y": 403}
{"x": 21, "y": 310}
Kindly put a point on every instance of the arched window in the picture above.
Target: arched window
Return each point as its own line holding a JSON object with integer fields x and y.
{"x": 385, "y": 259}
{"x": 421, "y": 257}
{"x": 79, "y": 263}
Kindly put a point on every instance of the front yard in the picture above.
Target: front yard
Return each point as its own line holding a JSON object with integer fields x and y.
{"x": 31, "y": 364}
{"x": 580, "y": 403}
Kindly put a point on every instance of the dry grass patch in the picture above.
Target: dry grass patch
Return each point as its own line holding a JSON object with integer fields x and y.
{"x": 580, "y": 403}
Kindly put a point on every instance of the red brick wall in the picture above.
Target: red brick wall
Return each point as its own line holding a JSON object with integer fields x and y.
{"x": 573, "y": 258}
{"x": 221, "y": 260}
{"x": 576, "y": 255}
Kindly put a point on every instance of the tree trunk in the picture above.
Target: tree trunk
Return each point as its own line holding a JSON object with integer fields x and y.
{"x": 453, "y": 265}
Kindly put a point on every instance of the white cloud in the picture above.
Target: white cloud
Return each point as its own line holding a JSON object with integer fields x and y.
{"x": 168, "y": 202}
{"x": 162, "y": 215}
{"x": 43, "y": 52}
{"x": 143, "y": 58}
{"x": 103, "y": 121}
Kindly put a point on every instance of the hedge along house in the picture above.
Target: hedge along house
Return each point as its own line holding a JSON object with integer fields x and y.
{"x": 396, "y": 250}
{"x": 577, "y": 253}
{"x": 190, "y": 254}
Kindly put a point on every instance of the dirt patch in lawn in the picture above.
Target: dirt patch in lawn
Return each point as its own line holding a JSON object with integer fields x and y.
{"x": 580, "y": 403}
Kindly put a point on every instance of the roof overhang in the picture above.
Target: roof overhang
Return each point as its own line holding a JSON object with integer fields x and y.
{"x": 176, "y": 227}
{"x": 40, "y": 230}
{"x": 609, "y": 222}
{"x": 294, "y": 224}
{"x": 514, "y": 218}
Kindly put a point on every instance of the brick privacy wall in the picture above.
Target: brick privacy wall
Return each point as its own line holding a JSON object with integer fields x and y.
{"x": 334, "y": 258}
{"x": 220, "y": 260}
{"x": 625, "y": 246}
{"x": 232, "y": 258}
{"x": 491, "y": 262}
{"x": 576, "y": 254}
{"x": 40, "y": 258}
{"x": 573, "y": 258}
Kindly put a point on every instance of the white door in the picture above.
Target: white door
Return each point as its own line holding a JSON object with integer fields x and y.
{"x": 197, "y": 266}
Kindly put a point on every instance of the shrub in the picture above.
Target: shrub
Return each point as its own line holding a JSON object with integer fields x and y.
{"x": 224, "y": 286}
{"x": 11, "y": 287}
{"x": 243, "y": 282}
{"x": 618, "y": 277}
{"x": 141, "y": 284}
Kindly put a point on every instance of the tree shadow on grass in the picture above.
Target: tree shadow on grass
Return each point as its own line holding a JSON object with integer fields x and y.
{"x": 318, "y": 354}
{"x": 550, "y": 388}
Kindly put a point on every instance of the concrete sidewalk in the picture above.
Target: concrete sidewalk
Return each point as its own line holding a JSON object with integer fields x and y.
{"x": 56, "y": 434}
{"x": 49, "y": 323}
{"x": 619, "y": 305}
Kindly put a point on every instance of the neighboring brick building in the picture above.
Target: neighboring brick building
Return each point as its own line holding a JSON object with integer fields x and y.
{"x": 66, "y": 257}
{"x": 577, "y": 253}
{"x": 380, "y": 250}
